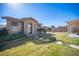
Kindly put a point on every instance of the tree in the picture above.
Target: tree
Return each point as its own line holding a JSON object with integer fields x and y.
{"x": 49, "y": 29}
{"x": 41, "y": 30}
{"x": 52, "y": 26}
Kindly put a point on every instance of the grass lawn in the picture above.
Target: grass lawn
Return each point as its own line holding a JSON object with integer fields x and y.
{"x": 63, "y": 37}
{"x": 31, "y": 48}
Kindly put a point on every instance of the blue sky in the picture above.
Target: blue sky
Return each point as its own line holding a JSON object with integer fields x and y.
{"x": 46, "y": 13}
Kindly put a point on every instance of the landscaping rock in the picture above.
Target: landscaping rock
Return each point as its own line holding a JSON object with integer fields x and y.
{"x": 59, "y": 42}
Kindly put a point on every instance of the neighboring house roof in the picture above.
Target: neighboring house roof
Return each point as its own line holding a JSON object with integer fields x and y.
{"x": 73, "y": 22}
{"x": 60, "y": 29}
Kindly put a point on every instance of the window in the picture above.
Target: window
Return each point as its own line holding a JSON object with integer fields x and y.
{"x": 14, "y": 28}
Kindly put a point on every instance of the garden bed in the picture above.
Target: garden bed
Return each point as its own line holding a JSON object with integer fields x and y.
{"x": 10, "y": 37}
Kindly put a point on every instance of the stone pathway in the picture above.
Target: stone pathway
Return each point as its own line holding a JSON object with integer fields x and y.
{"x": 71, "y": 45}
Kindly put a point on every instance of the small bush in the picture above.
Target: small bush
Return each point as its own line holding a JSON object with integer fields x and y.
{"x": 11, "y": 37}
{"x": 2, "y": 46}
{"x": 52, "y": 39}
{"x": 3, "y": 32}
{"x": 41, "y": 30}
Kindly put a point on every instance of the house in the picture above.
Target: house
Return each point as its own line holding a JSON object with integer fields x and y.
{"x": 73, "y": 28}
{"x": 24, "y": 25}
{"x": 60, "y": 29}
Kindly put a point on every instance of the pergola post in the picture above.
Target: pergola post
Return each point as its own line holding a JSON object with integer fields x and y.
{"x": 70, "y": 30}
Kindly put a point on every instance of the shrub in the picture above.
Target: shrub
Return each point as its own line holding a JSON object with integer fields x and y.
{"x": 41, "y": 30}
{"x": 52, "y": 39}
{"x": 11, "y": 37}
{"x": 49, "y": 29}
{"x": 2, "y": 47}
{"x": 3, "y": 32}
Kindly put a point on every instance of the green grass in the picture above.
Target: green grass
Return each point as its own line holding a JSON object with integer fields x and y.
{"x": 30, "y": 48}
{"x": 63, "y": 37}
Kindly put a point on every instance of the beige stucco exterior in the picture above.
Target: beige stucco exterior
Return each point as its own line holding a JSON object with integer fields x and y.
{"x": 9, "y": 27}
{"x": 34, "y": 26}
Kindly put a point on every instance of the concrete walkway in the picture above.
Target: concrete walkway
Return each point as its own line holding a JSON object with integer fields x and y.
{"x": 71, "y": 45}
{"x": 74, "y": 46}
{"x": 73, "y": 36}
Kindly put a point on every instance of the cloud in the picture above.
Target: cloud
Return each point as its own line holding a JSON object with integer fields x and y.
{"x": 2, "y": 23}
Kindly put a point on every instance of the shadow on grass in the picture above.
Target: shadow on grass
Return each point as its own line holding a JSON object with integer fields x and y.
{"x": 36, "y": 39}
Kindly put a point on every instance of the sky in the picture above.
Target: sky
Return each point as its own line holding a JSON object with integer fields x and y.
{"x": 46, "y": 13}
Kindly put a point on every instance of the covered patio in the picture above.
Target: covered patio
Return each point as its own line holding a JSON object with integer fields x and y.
{"x": 73, "y": 28}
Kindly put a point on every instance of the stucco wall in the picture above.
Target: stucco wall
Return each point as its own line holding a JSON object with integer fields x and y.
{"x": 10, "y": 26}
{"x": 19, "y": 26}
{"x": 34, "y": 26}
